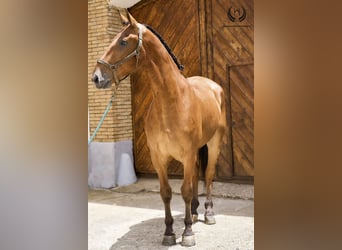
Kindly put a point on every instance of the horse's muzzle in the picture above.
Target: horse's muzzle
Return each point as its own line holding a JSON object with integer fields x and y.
{"x": 99, "y": 82}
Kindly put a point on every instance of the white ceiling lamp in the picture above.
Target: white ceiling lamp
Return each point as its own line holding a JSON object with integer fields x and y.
{"x": 123, "y": 4}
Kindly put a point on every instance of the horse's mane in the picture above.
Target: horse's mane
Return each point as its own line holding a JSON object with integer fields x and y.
{"x": 180, "y": 66}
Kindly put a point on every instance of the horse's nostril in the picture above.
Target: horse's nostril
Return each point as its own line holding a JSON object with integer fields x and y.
{"x": 95, "y": 79}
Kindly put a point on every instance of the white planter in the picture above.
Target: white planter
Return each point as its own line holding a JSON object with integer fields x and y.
{"x": 110, "y": 164}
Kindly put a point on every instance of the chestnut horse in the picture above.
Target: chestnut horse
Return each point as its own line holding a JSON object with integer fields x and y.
{"x": 185, "y": 121}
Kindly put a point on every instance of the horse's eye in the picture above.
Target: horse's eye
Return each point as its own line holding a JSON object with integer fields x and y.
{"x": 123, "y": 43}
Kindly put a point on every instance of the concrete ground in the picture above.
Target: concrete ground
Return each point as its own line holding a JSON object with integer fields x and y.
{"x": 132, "y": 217}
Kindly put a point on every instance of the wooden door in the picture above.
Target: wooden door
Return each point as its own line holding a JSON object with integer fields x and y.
{"x": 231, "y": 26}
{"x": 212, "y": 39}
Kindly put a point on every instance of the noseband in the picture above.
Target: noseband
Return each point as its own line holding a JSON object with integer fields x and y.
{"x": 115, "y": 66}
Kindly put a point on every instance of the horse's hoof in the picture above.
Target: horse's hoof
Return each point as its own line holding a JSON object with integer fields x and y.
{"x": 210, "y": 219}
{"x": 188, "y": 241}
{"x": 194, "y": 218}
{"x": 169, "y": 240}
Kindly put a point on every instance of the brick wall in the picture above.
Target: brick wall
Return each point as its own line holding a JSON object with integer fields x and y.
{"x": 103, "y": 25}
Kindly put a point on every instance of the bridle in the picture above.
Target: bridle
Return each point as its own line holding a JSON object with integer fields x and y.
{"x": 115, "y": 66}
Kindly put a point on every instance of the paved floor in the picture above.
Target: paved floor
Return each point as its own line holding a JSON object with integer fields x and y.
{"x": 133, "y": 217}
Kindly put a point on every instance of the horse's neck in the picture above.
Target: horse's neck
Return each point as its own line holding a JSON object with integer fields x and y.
{"x": 160, "y": 72}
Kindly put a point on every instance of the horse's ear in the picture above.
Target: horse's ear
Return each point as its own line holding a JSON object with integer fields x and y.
{"x": 124, "y": 16}
{"x": 131, "y": 19}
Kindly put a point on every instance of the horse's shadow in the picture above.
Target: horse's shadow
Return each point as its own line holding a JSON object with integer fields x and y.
{"x": 149, "y": 234}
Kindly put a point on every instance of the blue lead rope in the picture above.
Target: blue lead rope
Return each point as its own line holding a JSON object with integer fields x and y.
{"x": 102, "y": 119}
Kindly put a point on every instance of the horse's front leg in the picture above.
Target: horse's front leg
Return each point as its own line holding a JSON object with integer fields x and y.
{"x": 188, "y": 237}
{"x": 166, "y": 195}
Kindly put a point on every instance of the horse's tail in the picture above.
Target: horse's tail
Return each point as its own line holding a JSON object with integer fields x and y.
{"x": 203, "y": 159}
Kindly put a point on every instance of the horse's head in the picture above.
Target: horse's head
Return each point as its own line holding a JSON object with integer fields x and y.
{"x": 122, "y": 56}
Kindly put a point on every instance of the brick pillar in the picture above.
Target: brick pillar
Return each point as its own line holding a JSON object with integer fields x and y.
{"x": 103, "y": 24}
{"x": 114, "y": 139}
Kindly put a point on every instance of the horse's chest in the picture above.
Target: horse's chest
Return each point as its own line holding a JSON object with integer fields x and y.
{"x": 166, "y": 142}
{"x": 161, "y": 135}
{"x": 171, "y": 144}
{"x": 169, "y": 133}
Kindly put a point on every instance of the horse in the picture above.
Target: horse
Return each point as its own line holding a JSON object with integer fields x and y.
{"x": 185, "y": 121}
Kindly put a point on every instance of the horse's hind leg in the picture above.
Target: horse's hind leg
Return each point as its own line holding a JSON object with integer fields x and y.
{"x": 166, "y": 194}
{"x": 195, "y": 202}
{"x": 213, "y": 152}
{"x": 201, "y": 164}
